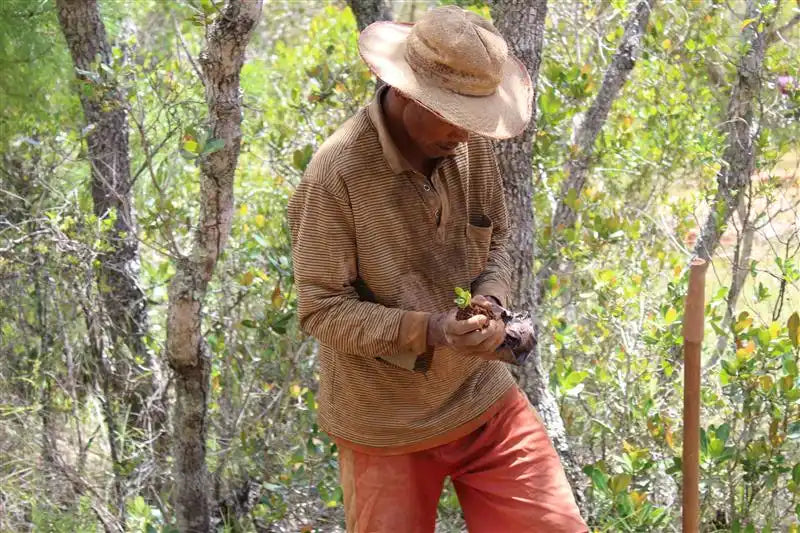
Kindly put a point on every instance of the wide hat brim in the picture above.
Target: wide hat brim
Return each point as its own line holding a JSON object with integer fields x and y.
{"x": 501, "y": 115}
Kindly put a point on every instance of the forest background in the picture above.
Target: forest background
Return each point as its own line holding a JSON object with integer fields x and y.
{"x": 153, "y": 374}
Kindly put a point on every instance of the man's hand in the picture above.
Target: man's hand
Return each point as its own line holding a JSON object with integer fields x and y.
{"x": 477, "y": 335}
{"x": 489, "y": 302}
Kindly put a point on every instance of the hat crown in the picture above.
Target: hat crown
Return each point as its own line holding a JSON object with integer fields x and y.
{"x": 457, "y": 50}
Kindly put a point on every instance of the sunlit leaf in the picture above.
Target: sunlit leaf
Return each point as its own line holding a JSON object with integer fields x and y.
{"x": 794, "y": 329}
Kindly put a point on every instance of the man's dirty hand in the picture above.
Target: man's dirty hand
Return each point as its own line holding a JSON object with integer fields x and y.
{"x": 488, "y": 302}
{"x": 477, "y": 334}
{"x": 445, "y": 330}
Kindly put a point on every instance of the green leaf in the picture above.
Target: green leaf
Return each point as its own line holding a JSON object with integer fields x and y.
{"x": 716, "y": 447}
{"x": 723, "y": 432}
{"x": 190, "y": 145}
{"x": 302, "y": 157}
{"x": 463, "y": 298}
{"x": 620, "y": 482}
{"x": 573, "y": 379}
{"x": 549, "y": 102}
{"x": 747, "y": 22}
{"x": 794, "y": 431}
{"x": 796, "y": 473}
{"x": 763, "y": 337}
{"x": 598, "y": 477}
{"x": 729, "y": 367}
{"x": 789, "y": 364}
{"x": 571, "y": 199}
{"x": 794, "y": 329}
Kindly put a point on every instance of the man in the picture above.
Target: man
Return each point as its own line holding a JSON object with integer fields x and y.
{"x": 401, "y": 205}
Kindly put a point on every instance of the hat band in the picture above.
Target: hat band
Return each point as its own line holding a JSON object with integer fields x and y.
{"x": 447, "y": 77}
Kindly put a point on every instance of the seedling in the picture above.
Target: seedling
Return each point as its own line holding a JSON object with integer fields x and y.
{"x": 463, "y": 298}
{"x": 467, "y": 308}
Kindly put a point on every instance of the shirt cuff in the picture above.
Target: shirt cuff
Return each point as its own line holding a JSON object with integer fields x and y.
{"x": 412, "y": 339}
{"x": 493, "y": 288}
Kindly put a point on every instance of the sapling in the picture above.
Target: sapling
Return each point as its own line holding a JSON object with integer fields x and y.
{"x": 520, "y": 337}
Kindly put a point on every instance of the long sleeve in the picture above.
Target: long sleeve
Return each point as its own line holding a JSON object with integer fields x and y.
{"x": 325, "y": 269}
{"x": 495, "y": 280}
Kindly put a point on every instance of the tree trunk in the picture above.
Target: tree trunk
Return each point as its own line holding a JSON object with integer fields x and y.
{"x": 188, "y": 353}
{"x": 369, "y": 11}
{"x": 739, "y": 270}
{"x": 522, "y": 24}
{"x": 105, "y": 112}
{"x": 106, "y": 117}
{"x": 577, "y": 167}
{"x": 742, "y": 131}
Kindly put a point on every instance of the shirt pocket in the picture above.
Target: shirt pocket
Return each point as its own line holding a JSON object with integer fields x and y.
{"x": 479, "y": 239}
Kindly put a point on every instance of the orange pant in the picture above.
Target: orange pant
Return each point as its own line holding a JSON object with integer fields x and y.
{"x": 506, "y": 473}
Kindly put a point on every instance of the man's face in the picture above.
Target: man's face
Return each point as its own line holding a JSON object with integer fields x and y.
{"x": 434, "y": 137}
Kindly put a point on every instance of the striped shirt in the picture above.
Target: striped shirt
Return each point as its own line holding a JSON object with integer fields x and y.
{"x": 376, "y": 248}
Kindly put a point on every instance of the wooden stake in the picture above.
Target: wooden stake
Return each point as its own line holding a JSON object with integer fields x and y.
{"x": 693, "y": 319}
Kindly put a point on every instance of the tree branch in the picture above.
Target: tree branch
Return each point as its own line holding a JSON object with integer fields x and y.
{"x": 786, "y": 27}
{"x": 617, "y": 73}
{"x": 187, "y": 351}
{"x": 622, "y": 64}
{"x": 742, "y": 132}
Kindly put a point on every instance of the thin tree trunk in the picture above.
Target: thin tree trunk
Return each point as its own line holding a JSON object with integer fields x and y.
{"x": 742, "y": 131}
{"x": 578, "y": 166}
{"x": 369, "y": 11}
{"x": 522, "y": 24}
{"x": 739, "y": 271}
{"x": 105, "y": 112}
{"x": 188, "y": 352}
{"x": 106, "y": 117}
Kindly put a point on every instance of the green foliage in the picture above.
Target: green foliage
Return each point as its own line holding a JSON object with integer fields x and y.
{"x": 611, "y": 320}
{"x": 463, "y": 298}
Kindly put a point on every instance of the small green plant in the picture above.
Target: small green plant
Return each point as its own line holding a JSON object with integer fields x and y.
{"x": 463, "y": 298}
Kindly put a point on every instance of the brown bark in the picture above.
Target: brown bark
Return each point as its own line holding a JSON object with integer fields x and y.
{"x": 522, "y": 24}
{"x": 369, "y": 11}
{"x": 106, "y": 117}
{"x": 577, "y": 167}
{"x": 742, "y": 131}
{"x": 739, "y": 270}
{"x": 188, "y": 353}
{"x": 123, "y": 301}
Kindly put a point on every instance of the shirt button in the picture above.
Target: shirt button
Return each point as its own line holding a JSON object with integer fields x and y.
{"x": 426, "y": 187}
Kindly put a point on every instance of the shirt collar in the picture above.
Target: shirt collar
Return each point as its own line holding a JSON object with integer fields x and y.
{"x": 391, "y": 153}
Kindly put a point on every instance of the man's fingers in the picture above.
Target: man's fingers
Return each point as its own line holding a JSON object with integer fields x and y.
{"x": 485, "y": 339}
{"x": 462, "y": 327}
{"x": 496, "y": 333}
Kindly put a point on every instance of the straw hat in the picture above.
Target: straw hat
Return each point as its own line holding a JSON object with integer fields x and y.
{"x": 456, "y": 64}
